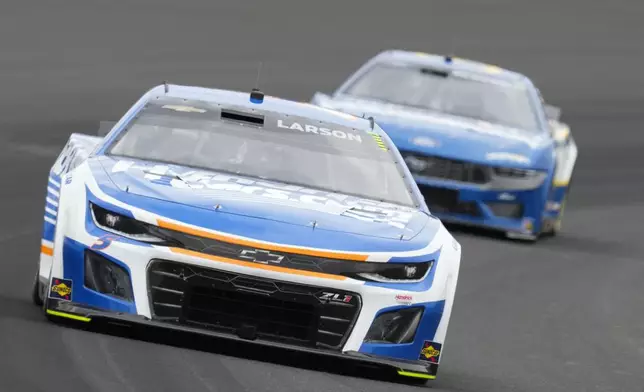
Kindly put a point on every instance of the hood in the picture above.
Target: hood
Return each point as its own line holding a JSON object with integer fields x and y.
{"x": 220, "y": 193}
{"x": 450, "y": 136}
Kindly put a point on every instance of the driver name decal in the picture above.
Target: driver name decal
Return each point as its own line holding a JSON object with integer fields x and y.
{"x": 319, "y": 130}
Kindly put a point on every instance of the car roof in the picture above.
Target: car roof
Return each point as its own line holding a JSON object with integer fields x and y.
{"x": 457, "y": 63}
{"x": 241, "y": 100}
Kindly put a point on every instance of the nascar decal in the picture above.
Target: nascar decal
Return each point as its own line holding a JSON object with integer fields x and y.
{"x": 319, "y": 130}
{"x": 216, "y": 185}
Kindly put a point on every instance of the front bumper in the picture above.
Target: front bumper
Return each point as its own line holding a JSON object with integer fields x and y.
{"x": 59, "y": 309}
{"x": 511, "y": 211}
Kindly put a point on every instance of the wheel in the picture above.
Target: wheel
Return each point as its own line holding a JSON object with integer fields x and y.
{"x": 36, "y": 289}
{"x": 555, "y": 226}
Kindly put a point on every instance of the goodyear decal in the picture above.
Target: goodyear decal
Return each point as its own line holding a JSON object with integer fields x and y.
{"x": 379, "y": 141}
{"x": 61, "y": 289}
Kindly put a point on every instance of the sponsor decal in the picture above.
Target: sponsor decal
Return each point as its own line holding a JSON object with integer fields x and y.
{"x": 431, "y": 352}
{"x": 406, "y": 299}
{"x": 308, "y": 128}
{"x": 507, "y": 196}
{"x": 507, "y": 156}
{"x": 261, "y": 256}
{"x": 184, "y": 109}
{"x": 61, "y": 289}
{"x": 334, "y": 297}
{"x": 423, "y": 141}
{"x": 292, "y": 195}
{"x": 553, "y": 206}
{"x": 528, "y": 225}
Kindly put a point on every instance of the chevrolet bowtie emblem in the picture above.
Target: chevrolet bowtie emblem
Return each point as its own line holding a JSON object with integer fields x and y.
{"x": 261, "y": 256}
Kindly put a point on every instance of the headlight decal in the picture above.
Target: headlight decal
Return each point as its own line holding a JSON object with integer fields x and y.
{"x": 505, "y": 178}
{"x": 126, "y": 226}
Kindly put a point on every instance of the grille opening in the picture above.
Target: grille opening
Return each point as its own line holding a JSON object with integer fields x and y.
{"x": 446, "y": 201}
{"x": 232, "y": 310}
{"x": 242, "y": 117}
{"x": 506, "y": 210}
{"x": 264, "y": 308}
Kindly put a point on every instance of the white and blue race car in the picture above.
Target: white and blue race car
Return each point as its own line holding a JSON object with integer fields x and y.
{"x": 480, "y": 141}
{"x": 250, "y": 218}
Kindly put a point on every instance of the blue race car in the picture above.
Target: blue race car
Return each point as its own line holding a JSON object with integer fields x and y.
{"x": 480, "y": 141}
{"x": 251, "y": 218}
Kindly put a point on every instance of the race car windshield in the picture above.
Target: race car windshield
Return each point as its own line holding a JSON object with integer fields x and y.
{"x": 290, "y": 150}
{"x": 467, "y": 95}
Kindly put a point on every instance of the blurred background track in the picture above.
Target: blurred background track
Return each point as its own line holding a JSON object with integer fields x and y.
{"x": 565, "y": 314}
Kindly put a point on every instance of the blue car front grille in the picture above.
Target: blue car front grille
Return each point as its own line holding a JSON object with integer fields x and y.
{"x": 442, "y": 200}
{"x": 447, "y": 169}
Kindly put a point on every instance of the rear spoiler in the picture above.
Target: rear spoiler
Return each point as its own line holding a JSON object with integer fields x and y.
{"x": 553, "y": 113}
{"x": 105, "y": 127}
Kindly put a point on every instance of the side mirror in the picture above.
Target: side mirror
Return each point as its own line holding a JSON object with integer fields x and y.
{"x": 105, "y": 127}
{"x": 552, "y": 112}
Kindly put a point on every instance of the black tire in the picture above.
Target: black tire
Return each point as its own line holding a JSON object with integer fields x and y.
{"x": 556, "y": 228}
{"x": 419, "y": 382}
{"x": 36, "y": 290}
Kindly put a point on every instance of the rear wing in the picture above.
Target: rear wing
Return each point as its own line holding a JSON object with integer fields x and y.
{"x": 105, "y": 127}
{"x": 553, "y": 113}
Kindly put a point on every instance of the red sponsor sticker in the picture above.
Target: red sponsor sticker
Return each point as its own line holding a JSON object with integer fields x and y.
{"x": 404, "y": 298}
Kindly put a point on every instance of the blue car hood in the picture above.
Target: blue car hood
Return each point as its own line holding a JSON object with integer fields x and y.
{"x": 248, "y": 197}
{"x": 450, "y": 136}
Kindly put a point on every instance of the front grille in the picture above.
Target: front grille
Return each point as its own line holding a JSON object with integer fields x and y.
{"x": 243, "y": 304}
{"x": 447, "y": 201}
{"x": 447, "y": 169}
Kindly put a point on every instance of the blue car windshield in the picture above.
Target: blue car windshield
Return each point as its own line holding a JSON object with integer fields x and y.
{"x": 289, "y": 150}
{"x": 473, "y": 96}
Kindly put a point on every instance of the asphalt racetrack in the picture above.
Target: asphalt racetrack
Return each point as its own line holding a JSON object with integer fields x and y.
{"x": 566, "y": 314}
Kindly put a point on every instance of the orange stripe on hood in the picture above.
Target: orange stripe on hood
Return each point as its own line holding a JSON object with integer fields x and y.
{"x": 264, "y": 267}
{"x": 261, "y": 245}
